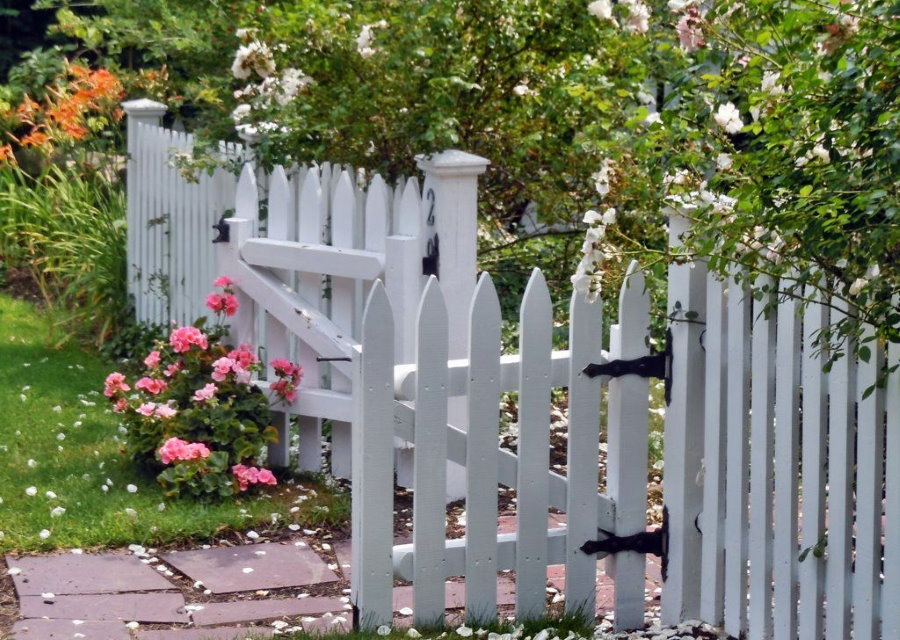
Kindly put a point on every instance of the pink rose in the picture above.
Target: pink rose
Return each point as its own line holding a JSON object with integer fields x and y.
{"x": 215, "y": 302}
{"x": 183, "y": 338}
{"x": 152, "y": 360}
{"x": 231, "y": 305}
{"x": 114, "y": 383}
{"x": 147, "y": 409}
{"x": 266, "y": 477}
{"x": 207, "y": 392}
{"x": 223, "y": 281}
{"x": 151, "y": 385}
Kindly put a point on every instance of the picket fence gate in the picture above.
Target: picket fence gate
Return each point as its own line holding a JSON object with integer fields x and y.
{"x": 766, "y": 456}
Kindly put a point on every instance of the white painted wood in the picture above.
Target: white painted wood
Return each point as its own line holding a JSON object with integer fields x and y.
{"x": 737, "y": 457}
{"x": 585, "y": 340}
{"x": 246, "y": 199}
{"x": 314, "y": 258}
{"x": 310, "y": 223}
{"x": 403, "y": 273}
{"x": 785, "y": 549}
{"x": 627, "y": 447}
{"x": 377, "y": 218}
{"x": 316, "y": 403}
{"x": 278, "y": 338}
{"x": 762, "y": 398}
{"x": 481, "y": 453}
{"x": 429, "y": 511}
{"x": 890, "y": 612}
{"x": 535, "y": 320}
{"x": 373, "y": 490}
{"x": 815, "y": 416}
{"x": 343, "y": 308}
{"x": 712, "y": 585}
{"x": 841, "y": 439}
{"x": 455, "y": 553}
{"x": 458, "y": 370}
{"x": 869, "y": 484}
{"x": 684, "y": 434}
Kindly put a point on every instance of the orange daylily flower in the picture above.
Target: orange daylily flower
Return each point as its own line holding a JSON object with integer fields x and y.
{"x": 35, "y": 139}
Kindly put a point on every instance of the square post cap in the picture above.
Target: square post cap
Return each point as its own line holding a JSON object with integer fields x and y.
{"x": 144, "y": 107}
{"x": 453, "y": 162}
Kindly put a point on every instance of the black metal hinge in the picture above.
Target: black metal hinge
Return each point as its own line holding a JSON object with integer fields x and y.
{"x": 657, "y": 365}
{"x": 224, "y": 230}
{"x": 430, "y": 261}
{"x": 653, "y": 542}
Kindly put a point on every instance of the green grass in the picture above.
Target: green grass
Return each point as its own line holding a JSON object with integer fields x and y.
{"x": 63, "y": 425}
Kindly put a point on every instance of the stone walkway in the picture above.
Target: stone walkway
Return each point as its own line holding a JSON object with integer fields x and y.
{"x": 218, "y": 593}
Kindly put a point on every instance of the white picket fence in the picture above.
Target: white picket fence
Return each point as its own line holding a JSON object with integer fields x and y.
{"x": 480, "y": 378}
{"x": 759, "y": 497}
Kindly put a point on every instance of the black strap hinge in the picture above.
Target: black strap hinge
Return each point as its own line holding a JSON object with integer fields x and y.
{"x": 224, "y": 230}
{"x": 653, "y": 542}
{"x": 657, "y": 365}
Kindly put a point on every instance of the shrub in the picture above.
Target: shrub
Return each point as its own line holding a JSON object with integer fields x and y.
{"x": 195, "y": 415}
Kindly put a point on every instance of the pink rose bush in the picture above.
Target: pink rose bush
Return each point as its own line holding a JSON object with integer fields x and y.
{"x": 194, "y": 413}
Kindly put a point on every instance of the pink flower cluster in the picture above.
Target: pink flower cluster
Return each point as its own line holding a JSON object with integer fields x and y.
{"x": 175, "y": 449}
{"x": 156, "y": 409}
{"x": 289, "y": 375}
{"x": 151, "y": 385}
{"x": 152, "y": 360}
{"x": 183, "y": 338}
{"x": 115, "y": 382}
{"x": 690, "y": 30}
{"x": 226, "y": 302}
{"x": 206, "y": 393}
{"x": 251, "y": 475}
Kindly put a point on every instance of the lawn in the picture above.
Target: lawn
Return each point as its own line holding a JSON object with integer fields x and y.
{"x": 64, "y": 482}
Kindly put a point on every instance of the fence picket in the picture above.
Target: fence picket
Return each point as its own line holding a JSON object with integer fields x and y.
{"x": 713, "y": 544}
{"x": 787, "y": 438}
{"x": 343, "y": 307}
{"x": 627, "y": 448}
{"x": 373, "y": 482}
{"x": 585, "y": 346}
{"x": 534, "y": 441}
{"x": 841, "y": 435}
{"x": 429, "y": 511}
{"x": 890, "y": 612}
{"x": 868, "y": 488}
{"x": 815, "y": 414}
{"x": 736, "y": 453}
{"x": 481, "y": 453}
{"x": 761, "y": 452}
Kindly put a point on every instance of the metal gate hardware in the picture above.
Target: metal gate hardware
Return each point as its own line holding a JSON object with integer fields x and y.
{"x": 657, "y": 365}
{"x": 653, "y": 542}
{"x": 224, "y": 230}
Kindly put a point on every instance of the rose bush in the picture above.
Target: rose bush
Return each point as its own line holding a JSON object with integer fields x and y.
{"x": 195, "y": 414}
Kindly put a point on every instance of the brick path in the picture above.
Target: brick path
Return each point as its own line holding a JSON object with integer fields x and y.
{"x": 135, "y": 595}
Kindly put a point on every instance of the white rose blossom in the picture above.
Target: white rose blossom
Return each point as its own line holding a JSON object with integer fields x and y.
{"x": 729, "y": 118}
{"x": 601, "y": 9}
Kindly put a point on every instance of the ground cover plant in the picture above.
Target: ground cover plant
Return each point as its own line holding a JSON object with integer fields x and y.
{"x": 66, "y": 483}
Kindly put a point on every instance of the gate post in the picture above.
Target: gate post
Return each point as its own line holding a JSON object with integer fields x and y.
{"x": 138, "y": 112}
{"x": 683, "y": 449}
{"x": 450, "y": 234}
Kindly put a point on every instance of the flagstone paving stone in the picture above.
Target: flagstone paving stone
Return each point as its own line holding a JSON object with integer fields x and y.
{"x": 66, "y": 630}
{"x": 68, "y": 573}
{"x": 252, "y": 567}
{"x": 223, "y": 633}
{"x": 142, "y": 607}
{"x": 250, "y": 610}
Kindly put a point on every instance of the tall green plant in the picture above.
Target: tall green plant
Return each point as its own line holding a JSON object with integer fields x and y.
{"x": 68, "y": 231}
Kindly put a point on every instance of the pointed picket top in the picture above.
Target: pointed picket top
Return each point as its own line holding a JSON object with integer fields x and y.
{"x": 378, "y": 318}
{"x": 377, "y": 216}
{"x": 343, "y": 212}
{"x": 536, "y": 301}
{"x": 279, "y": 205}
{"x": 432, "y": 308}
{"x": 485, "y": 307}
{"x": 246, "y": 197}
{"x": 408, "y": 219}
{"x": 309, "y": 213}
{"x": 634, "y": 312}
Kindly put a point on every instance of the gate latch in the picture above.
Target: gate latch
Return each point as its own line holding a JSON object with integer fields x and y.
{"x": 653, "y": 542}
{"x": 223, "y": 229}
{"x": 657, "y": 365}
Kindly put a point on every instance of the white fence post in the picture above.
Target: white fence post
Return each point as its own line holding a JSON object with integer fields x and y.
{"x": 890, "y": 612}
{"x": 450, "y": 224}
{"x": 371, "y": 581}
{"x": 684, "y": 432}
{"x": 139, "y": 112}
